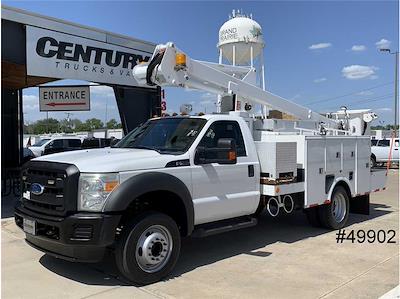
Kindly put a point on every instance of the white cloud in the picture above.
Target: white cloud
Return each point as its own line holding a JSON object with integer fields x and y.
{"x": 384, "y": 109}
{"x": 355, "y": 72}
{"x": 383, "y": 44}
{"x": 102, "y": 90}
{"x": 31, "y": 103}
{"x": 365, "y": 93}
{"x": 319, "y": 80}
{"x": 208, "y": 95}
{"x": 358, "y": 48}
{"x": 320, "y": 46}
{"x": 208, "y": 99}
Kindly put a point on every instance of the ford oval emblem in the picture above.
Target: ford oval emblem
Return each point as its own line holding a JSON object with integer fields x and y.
{"x": 37, "y": 189}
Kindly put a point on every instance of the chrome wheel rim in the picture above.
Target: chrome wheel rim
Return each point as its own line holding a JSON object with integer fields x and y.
{"x": 339, "y": 208}
{"x": 153, "y": 249}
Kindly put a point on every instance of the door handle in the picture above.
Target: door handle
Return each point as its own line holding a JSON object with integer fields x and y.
{"x": 250, "y": 170}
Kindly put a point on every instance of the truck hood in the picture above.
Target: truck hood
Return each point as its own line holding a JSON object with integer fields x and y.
{"x": 111, "y": 159}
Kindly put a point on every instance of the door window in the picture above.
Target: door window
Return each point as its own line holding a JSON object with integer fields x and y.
{"x": 57, "y": 143}
{"x": 384, "y": 142}
{"x": 73, "y": 143}
{"x": 224, "y": 129}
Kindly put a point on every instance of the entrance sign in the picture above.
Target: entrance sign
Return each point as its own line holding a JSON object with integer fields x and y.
{"x": 59, "y": 55}
{"x": 64, "y": 98}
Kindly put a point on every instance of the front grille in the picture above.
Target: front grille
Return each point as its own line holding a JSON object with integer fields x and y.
{"x": 60, "y": 182}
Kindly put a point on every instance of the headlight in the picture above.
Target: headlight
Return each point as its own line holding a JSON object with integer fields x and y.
{"x": 94, "y": 190}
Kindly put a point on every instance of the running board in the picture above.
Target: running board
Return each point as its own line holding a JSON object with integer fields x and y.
{"x": 223, "y": 226}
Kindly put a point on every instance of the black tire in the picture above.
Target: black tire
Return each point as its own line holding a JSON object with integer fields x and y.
{"x": 125, "y": 251}
{"x": 372, "y": 161}
{"x": 327, "y": 212}
{"x": 313, "y": 216}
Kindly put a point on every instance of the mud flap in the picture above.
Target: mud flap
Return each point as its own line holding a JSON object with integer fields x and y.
{"x": 360, "y": 205}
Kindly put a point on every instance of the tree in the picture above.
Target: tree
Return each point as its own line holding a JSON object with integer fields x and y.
{"x": 75, "y": 123}
{"x": 94, "y": 124}
{"x": 50, "y": 125}
{"x": 113, "y": 124}
{"x": 65, "y": 126}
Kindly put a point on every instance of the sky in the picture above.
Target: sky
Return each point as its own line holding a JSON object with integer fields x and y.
{"x": 321, "y": 54}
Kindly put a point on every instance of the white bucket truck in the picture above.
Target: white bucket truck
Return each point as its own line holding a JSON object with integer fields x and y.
{"x": 196, "y": 175}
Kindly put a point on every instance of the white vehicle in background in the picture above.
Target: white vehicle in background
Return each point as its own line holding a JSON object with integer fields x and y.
{"x": 382, "y": 149}
{"x": 51, "y": 145}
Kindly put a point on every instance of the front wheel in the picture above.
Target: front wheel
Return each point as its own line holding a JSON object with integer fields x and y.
{"x": 372, "y": 162}
{"x": 148, "y": 248}
{"x": 335, "y": 214}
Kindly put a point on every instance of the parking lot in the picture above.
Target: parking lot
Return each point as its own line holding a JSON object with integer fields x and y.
{"x": 279, "y": 258}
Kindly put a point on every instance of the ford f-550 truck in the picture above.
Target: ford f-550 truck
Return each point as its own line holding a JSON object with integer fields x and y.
{"x": 173, "y": 177}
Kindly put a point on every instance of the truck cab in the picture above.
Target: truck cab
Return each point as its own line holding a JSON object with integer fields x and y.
{"x": 56, "y": 144}
{"x": 176, "y": 172}
{"x": 382, "y": 149}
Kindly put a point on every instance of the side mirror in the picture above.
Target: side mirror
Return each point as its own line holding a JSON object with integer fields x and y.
{"x": 224, "y": 153}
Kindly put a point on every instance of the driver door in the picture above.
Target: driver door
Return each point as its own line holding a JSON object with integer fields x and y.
{"x": 222, "y": 191}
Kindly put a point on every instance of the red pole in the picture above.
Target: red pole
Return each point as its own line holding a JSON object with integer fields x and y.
{"x": 390, "y": 151}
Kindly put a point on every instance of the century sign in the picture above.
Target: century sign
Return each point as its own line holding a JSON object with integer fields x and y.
{"x": 58, "y": 55}
{"x": 64, "y": 98}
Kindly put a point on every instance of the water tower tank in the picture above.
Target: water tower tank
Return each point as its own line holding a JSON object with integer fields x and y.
{"x": 238, "y": 36}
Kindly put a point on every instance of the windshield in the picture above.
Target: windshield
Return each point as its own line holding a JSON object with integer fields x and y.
{"x": 164, "y": 135}
{"x": 41, "y": 142}
{"x": 374, "y": 142}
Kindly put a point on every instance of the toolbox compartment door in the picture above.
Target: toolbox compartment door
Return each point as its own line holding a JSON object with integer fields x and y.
{"x": 378, "y": 179}
{"x": 363, "y": 173}
{"x": 315, "y": 171}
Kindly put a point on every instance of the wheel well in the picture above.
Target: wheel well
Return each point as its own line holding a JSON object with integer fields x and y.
{"x": 373, "y": 156}
{"x": 161, "y": 201}
{"x": 345, "y": 186}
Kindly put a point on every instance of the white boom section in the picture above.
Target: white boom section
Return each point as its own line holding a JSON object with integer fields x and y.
{"x": 218, "y": 79}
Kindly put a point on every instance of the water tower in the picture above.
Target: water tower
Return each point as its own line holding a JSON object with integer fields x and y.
{"x": 241, "y": 44}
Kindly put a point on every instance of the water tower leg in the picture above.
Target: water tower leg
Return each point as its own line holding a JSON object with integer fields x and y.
{"x": 219, "y": 98}
{"x": 251, "y": 56}
{"x": 265, "y": 108}
{"x": 233, "y": 55}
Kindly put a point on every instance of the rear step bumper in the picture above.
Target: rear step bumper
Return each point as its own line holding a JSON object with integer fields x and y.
{"x": 223, "y": 226}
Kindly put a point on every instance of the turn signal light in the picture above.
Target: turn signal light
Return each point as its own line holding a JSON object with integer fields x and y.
{"x": 232, "y": 156}
{"x": 180, "y": 59}
{"x": 109, "y": 186}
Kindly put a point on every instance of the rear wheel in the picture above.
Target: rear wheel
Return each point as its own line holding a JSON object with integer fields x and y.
{"x": 335, "y": 214}
{"x": 148, "y": 248}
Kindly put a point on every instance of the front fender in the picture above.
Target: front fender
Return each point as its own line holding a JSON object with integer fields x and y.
{"x": 140, "y": 184}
